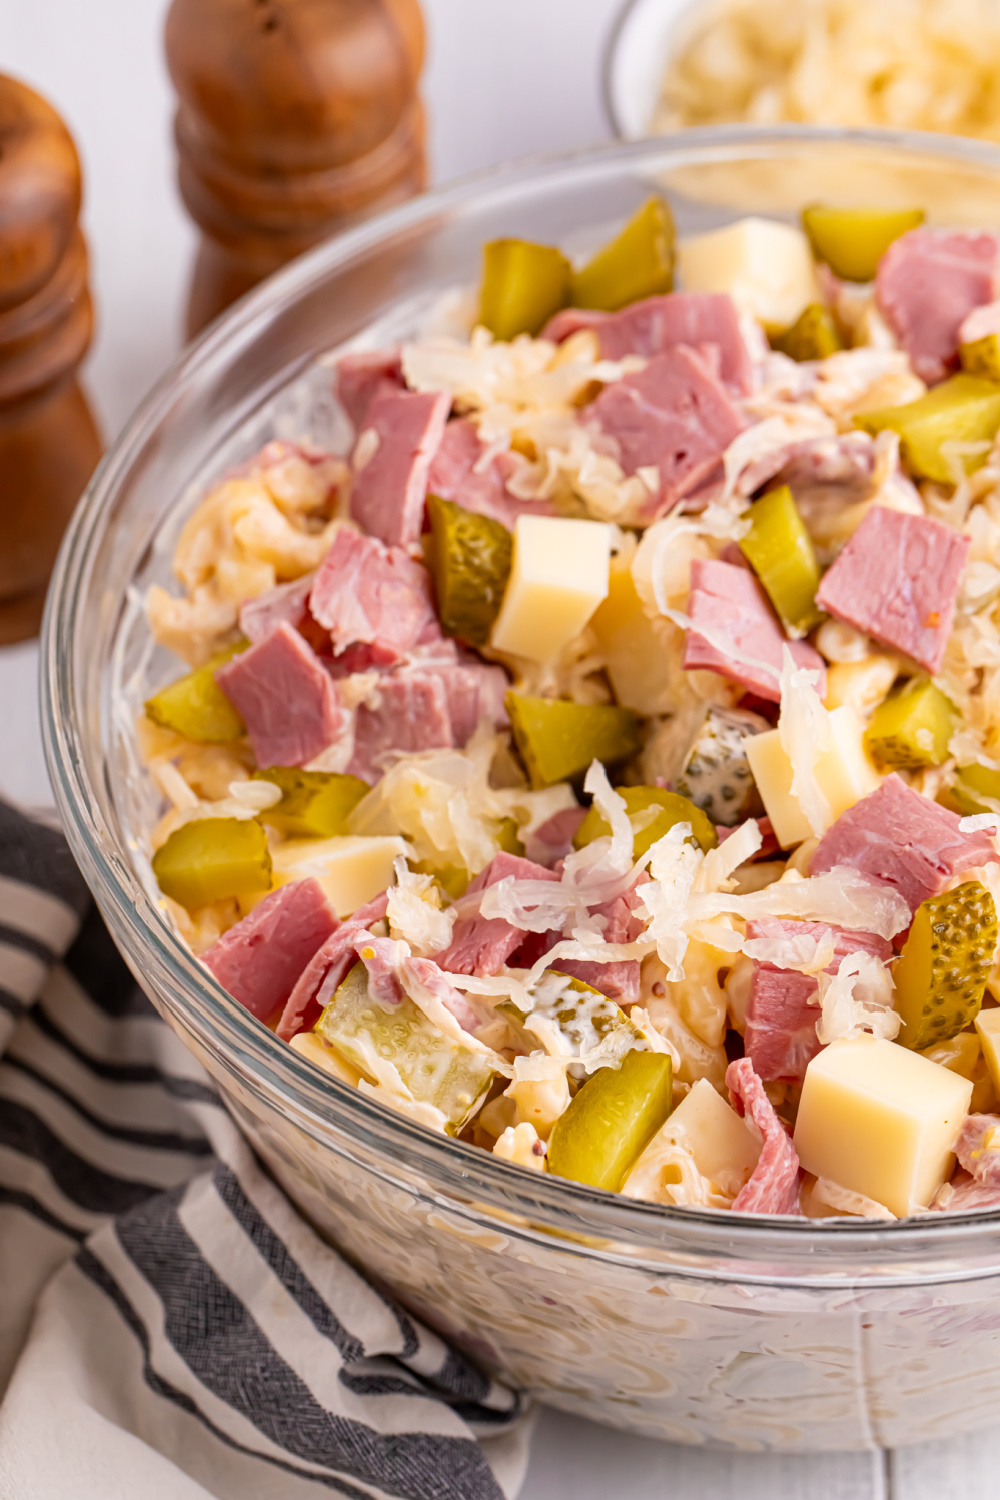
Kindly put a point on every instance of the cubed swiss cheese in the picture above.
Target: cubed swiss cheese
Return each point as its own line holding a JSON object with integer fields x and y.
{"x": 844, "y": 774}
{"x": 988, "y": 1027}
{"x": 766, "y": 267}
{"x": 352, "y": 870}
{"x": 881, "y": 1120}
{"x": 722, "y": 1146}
{"x": 316, "y": 1051}
{"x": 558, "y": 577}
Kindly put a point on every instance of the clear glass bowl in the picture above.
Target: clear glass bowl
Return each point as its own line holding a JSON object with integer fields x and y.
{"x": 723, "y": 1329}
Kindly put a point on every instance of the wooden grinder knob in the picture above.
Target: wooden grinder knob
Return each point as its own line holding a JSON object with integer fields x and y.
{"x": 49, "y": 444}
{"x": 294, "y": 118}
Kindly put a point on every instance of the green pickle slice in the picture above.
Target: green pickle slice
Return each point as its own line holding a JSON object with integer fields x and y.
{"x": 779, "y": 549}
{"x": 523, "y": 286}
{"x": 213, "y": 859}
{"x": 583, "y": 1017}
{"x": 196, "y": 707}
{"x": 637, "y": 263}
{"x": 813, "y": 335}
{"x": 912, "y": 727}
{"x": 557, "y": 740}
{"x": 964, "y": 408}
{"x": 314, "y": 804}
{"x": 852, "y": 241}
{"x": 436, "y": 1069}
{"x": 944, "y": 966}
{"x": 469, "y": 558}
{"x": 670, "y": 809}
{"x": 611, "y": 1120}
{"x": 972, "y": 784}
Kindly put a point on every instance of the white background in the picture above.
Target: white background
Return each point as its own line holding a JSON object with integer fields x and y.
{"x": 505, "y": 78}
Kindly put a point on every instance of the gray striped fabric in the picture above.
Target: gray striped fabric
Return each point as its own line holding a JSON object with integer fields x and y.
{"x": 169, "y": 1326}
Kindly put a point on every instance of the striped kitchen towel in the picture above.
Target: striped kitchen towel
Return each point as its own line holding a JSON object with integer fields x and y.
{"x": 170, "y": 1328}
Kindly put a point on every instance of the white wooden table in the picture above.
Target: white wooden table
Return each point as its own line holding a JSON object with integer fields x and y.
{"x": 505, "y": 78}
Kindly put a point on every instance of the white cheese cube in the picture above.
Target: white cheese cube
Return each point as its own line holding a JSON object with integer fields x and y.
{"x": 844, "y": 774}
{"x": 880, "y": 1120}
{"x": 352, "y": 870}
{"x": 766, "y": 267}
{"x": 558, "y": 577}
{"x": 722, "y": 1146}
{"x": 315, "y": 1050}
{"x": 988, "y": 1027}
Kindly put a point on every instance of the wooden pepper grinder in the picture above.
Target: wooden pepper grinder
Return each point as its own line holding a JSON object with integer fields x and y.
{"x": 49, "y": 443}
{"x": 295, "y": 117}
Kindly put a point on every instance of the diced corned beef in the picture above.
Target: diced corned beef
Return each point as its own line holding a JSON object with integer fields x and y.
{"x": 981, "y": 323}
{"x": 475, "y": 691}
{"x": 965, "y": 1193}
{"x": 781, "y": 1035}
{"x": 326, "y": 969}
{"x": 371, "y": 594}
{"x": 407, "y": 712}
{"x": 379, "y": 958}
{"x": 618, "y": 980}
{"x": 657, "y": 324}
{"x": 260, "y": 960}
{"x": 773, "y": 1186}
{"x": 927, "y": 284}
{"x": 904, "y": 840}
{"x": 897, "y": 581}
{"x": 558, "y": 832}
{"x": 429, "y": 703}
{"x": 286, "y": 699}
{"x": 360, "y": 377}
{"x": 978, "y": 1148}
{"x": 675, "y": 416}
{"x": 458, "y": 473}
{"x": 481, "y": 945}
{"x": 739, "y": 624}
{"x": 391, "y": 461}
{"x": 287, "y": 603}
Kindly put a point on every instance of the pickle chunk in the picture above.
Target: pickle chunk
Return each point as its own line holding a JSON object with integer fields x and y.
{"x": 611, "y": 1120}
{"x": 717, "y": 777}
{"x": 435, "y": 1069}
{"x": 945, "y": 963}
{"x": 638, "y": 263}
{"x": 813, "y": 335}
{"x": 779, "y": 549}
{"x": 469, "y": 558}
{"x": 973, "y": 784}
{"x": 196, "y": 707}
{"x": 852, "y": 241}
{"x": 652, "y": 813}
{"x": 558, "y": 740}
{"x": 963, "y": 409}
{"x": 314, "y": 804}
{"x": 912, "y": 727}
{"x": 523, "y": 286}
{"x": 213, "y": 859}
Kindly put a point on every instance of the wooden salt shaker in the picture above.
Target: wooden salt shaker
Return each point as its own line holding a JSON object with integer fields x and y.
{"x": 49, "y": 443}
{"x": 295, "y": 117}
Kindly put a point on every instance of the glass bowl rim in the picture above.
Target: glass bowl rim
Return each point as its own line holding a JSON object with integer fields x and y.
{"x": 269, "y": 1068}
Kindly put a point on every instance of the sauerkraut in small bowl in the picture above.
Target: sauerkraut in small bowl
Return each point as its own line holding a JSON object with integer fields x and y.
{"x": 523, "y": 693}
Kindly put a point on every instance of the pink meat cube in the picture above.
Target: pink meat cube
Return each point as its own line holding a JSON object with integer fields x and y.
{"x": 904, "y": 840}
{"x": 361, "y": 377}
{"x": 391, "y": 461}
{"x": 375, "y": 595}
{"x": 897, "y": 581}
{"x": 674, "y": 416}
{"x": 287, "y": 701}
{"x": 927, "y": 284}
{"x": 458, "y": 473}
{"x": 739, "y": 624}
{"x": 259, "y": 961}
